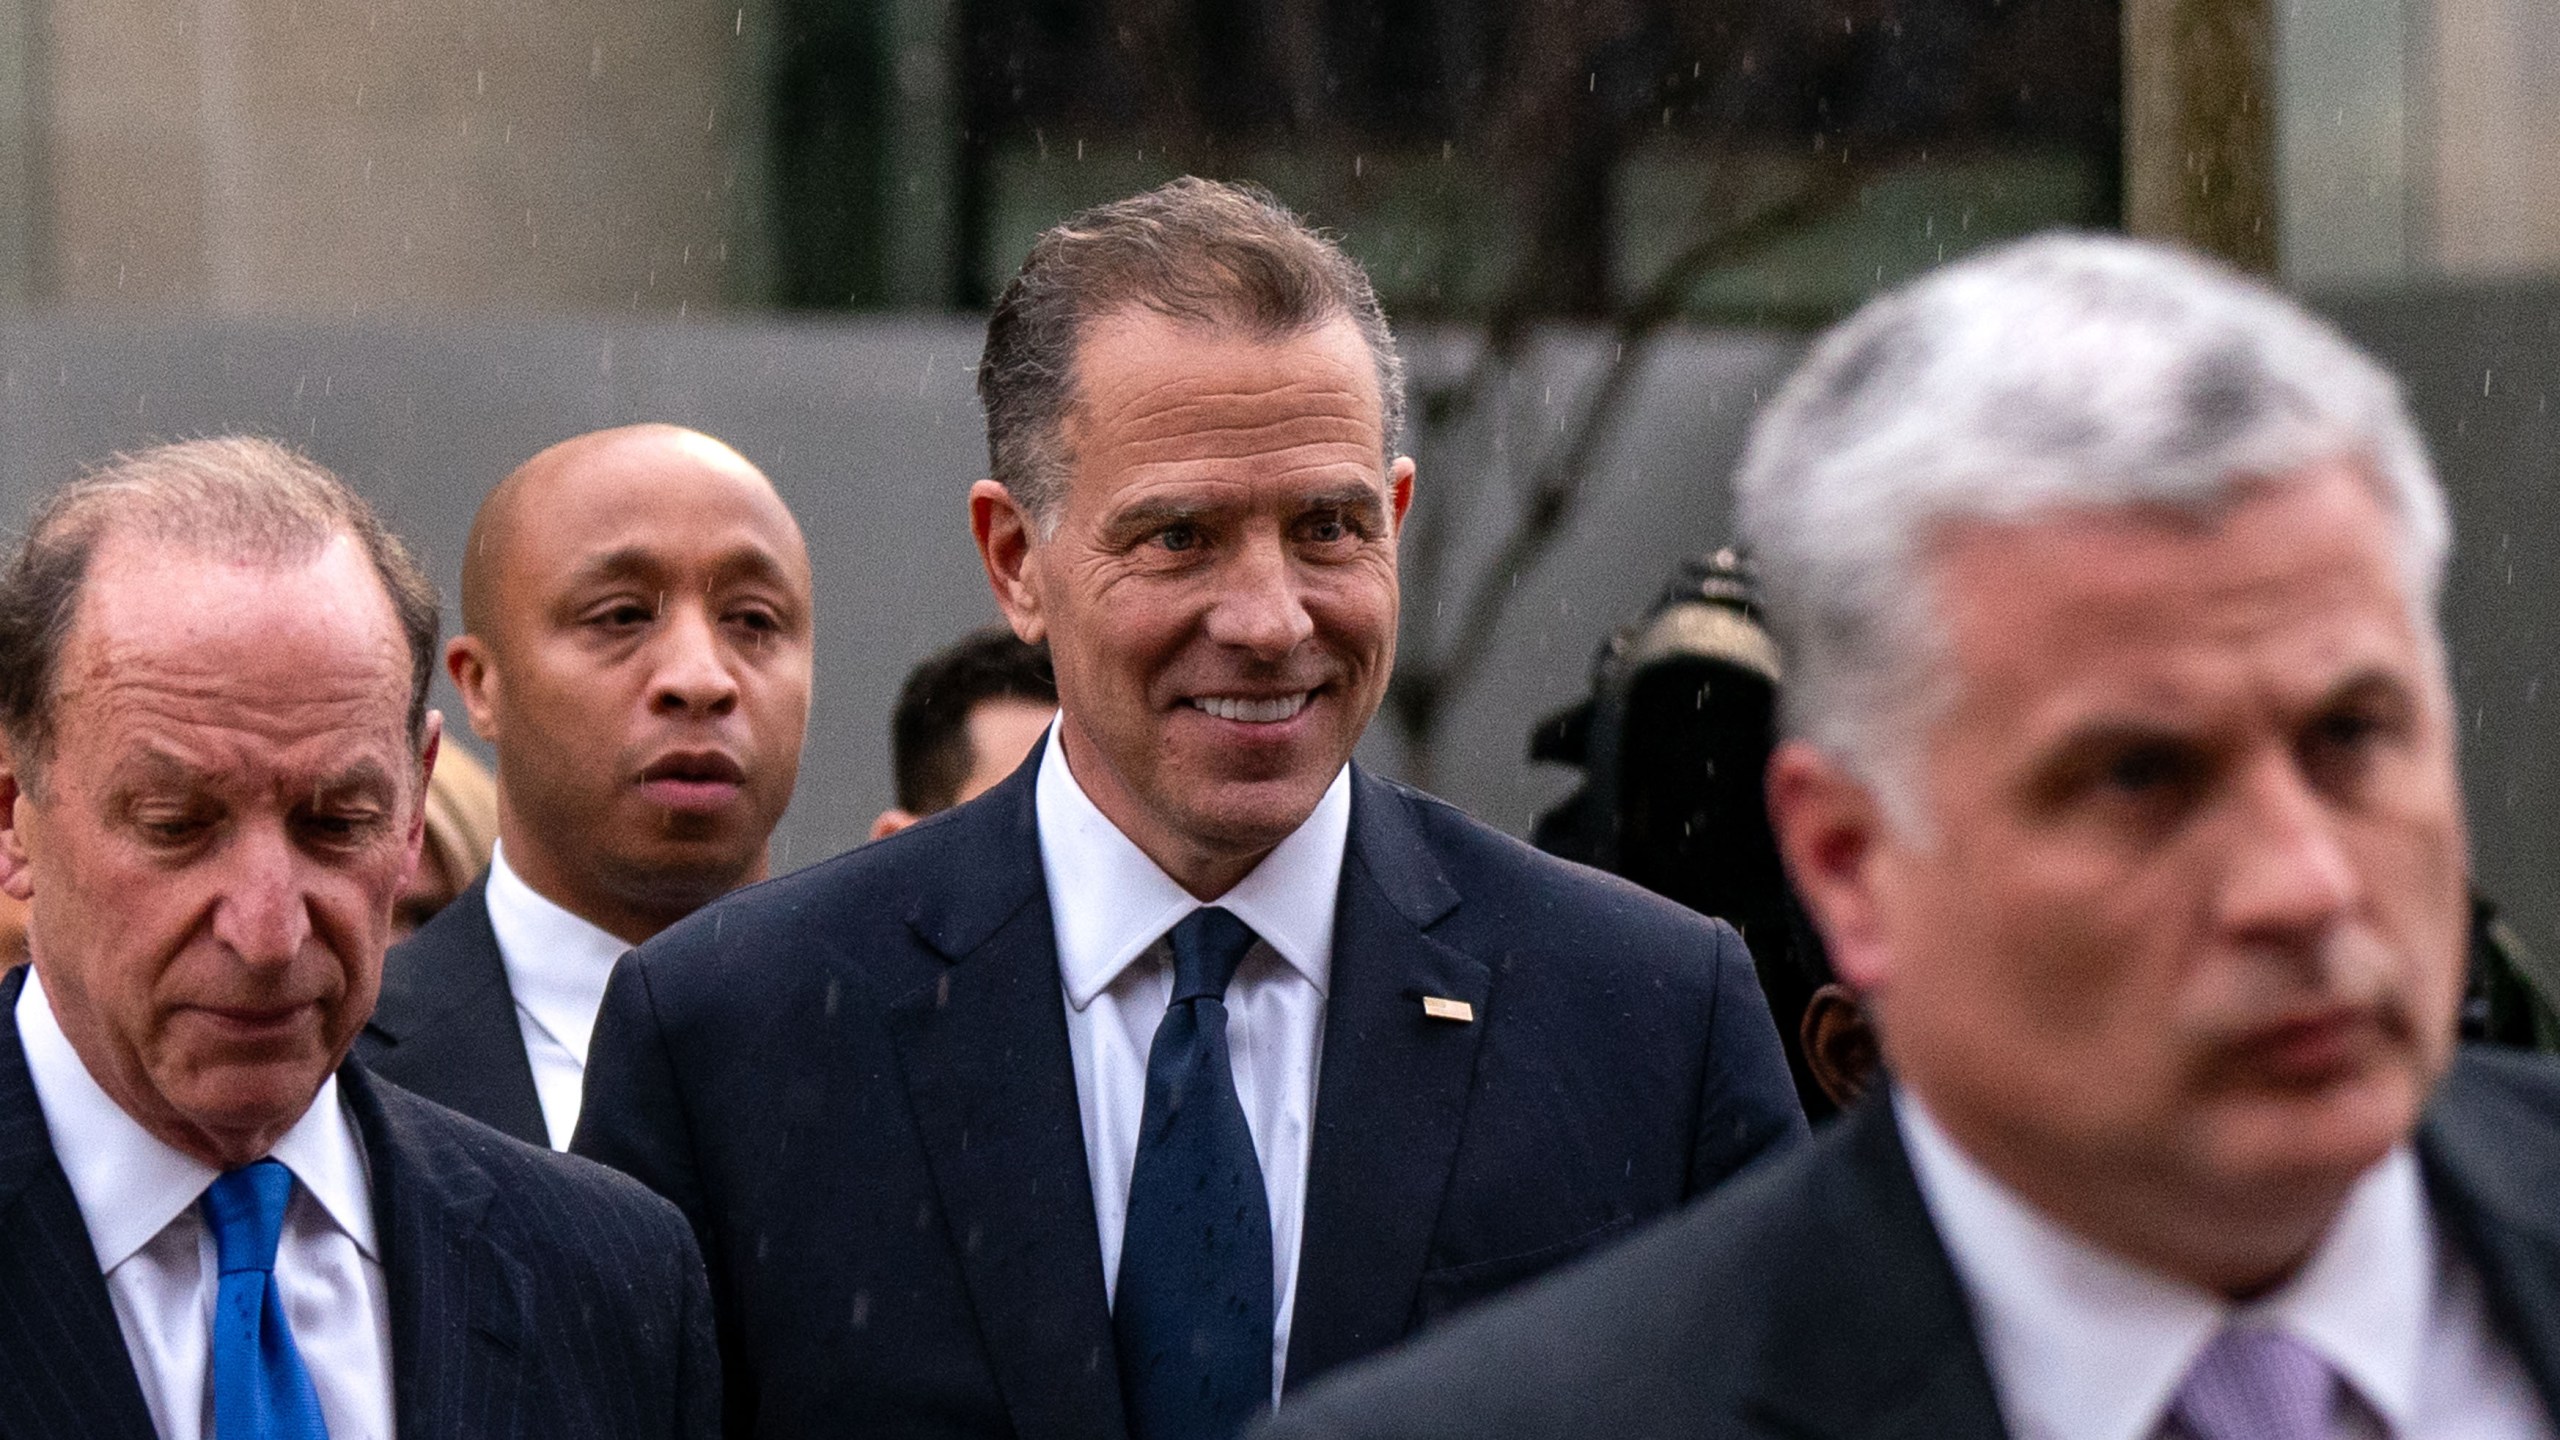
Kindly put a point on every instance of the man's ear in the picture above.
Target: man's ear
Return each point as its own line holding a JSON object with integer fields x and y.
{"x": 1839, "y": 1044}
{"x": 891, "y": 821}
{"x": 17, "y": 877}
{"x": 1004, "y": 534}
{"x": 475, "y": 674}
{"x": 1830, "y": 829}
{"x": 1400, "y": 489}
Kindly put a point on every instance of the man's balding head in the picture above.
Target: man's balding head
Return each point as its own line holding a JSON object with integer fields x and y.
{"x": 595, "y": 461}
{"x": 636, "y": 608}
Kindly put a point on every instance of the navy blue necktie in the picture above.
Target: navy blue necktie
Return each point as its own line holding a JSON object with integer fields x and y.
{"x": 1192, "y": 1313}
{"x": 260, "y": 1389}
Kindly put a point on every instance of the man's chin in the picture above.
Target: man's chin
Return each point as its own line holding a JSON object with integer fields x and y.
{"x": 2315, "y": 1138}
{"x": 684, "y": 874}
{"x": 1247, "y": 815}
{"x": 246, "y": 1098}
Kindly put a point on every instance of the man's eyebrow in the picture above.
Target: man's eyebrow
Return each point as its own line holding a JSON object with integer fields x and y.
{"x": 1346, "y": 497}
{"x": 2105, "y": 735}
{"x": 154, "y": 769}
{"x": 628, "y": 563}
{"x": 751, "y": 562}
{"x": 1147, "y": 514}
{"x": 2374, "y": 682}
{"x": 1151, "y": 512}
{"x": 364, "y": 777}
{"x": 635, "y": 562}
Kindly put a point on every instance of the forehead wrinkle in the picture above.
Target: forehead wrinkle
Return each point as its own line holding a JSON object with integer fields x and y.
{"x": 166, "y": 689}
{"x": 1291, "y": 431}
{"x": 1178, "y": 396}
{"x": 163, "y": 762}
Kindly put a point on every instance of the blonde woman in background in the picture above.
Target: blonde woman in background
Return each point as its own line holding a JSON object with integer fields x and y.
{"x": 462, "y": 829}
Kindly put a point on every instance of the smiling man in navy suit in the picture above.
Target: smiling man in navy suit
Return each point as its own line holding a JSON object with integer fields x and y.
{"x": 1192, "y": 1061}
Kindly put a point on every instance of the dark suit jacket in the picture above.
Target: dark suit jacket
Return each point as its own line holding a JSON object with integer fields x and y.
{"x": 532, "y": 1295}
{"x": 446, "y": 1024}
{"x": 1814, "y": 1300}
{"x": 856, "y": 1081}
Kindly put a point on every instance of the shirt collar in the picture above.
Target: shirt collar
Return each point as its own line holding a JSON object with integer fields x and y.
{"x": 130, "y": 1183}
{"x": 1110, "y": 902}
{"x": 2083, "y": 1343}
{"x": 557, "y": 963}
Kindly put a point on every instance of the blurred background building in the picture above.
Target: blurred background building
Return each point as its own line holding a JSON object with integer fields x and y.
{"x": 423, "y": 238}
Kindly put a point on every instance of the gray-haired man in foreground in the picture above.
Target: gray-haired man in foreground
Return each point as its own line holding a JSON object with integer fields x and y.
{"x": 2121, "y": 781}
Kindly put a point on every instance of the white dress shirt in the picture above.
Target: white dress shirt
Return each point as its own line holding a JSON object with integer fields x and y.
{"x": 556, "y": 968}
{"x": 2083, "y": 1345}
{"x": 137, "y": 1196}
{"x": 1112, "y": 907}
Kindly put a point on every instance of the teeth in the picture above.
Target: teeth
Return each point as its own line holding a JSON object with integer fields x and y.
{"x": 1253, "y": 712}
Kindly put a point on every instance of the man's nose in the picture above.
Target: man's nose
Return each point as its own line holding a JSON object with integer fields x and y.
{"x": 694, "y": 671}
{"x": 262, "y": 915}
{"x": 1261, "y": 603}
{"x": 2292, "y": 878}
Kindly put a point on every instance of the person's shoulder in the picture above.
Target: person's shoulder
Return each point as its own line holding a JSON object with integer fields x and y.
{"x": 420, "y": 978}
{"x": 865, "y": 923}
{"x": 1664, "y": 1334}
{"x": 574, "y": 1204}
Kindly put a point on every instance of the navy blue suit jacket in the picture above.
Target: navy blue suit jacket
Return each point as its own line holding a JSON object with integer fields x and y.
{"x": 446, "y": 1024}
{"x": 532, "y": 1295}
{"x": 1814, "y": 1300}
{"x": 856, "y": 1081}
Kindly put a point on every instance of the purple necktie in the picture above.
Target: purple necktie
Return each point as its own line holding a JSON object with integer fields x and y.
{"x": 2257, "y": 1385}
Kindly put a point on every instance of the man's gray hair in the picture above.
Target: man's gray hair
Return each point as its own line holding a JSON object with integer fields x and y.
{"x": 2066, "y": 371}
{"x": 1203, "y": 252}
{"x": 240, "y": 497}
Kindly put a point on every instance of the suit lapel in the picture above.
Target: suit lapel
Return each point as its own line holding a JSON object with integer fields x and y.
{"x": 1391, "y": 1100}
{"x": 458, "y": 1301}
{"x": 448, "y": 1020}
{"x": 992, "y": 1084}
{"x": 1870, "y": 1335}
{"x": 63, "y": 1367}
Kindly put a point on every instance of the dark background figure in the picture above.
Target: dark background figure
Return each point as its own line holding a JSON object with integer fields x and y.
{"x": 1673, "y": 744}
{"x": 2512, "y": 997}
{"x": 213, "y": 690}
{"x": 964, "y": 719}
{"x": 637, "y": 649}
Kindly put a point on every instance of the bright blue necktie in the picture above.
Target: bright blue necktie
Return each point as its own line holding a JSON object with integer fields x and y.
{"x": 260, "y": 1389}
{"x": 1192, "y": 1312}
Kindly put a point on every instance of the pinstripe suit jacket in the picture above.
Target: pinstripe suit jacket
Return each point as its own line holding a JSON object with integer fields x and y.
{"x": 532, "y": 1295}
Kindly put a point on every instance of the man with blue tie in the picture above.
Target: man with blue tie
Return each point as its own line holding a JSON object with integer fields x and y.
{"x": 214, "y": 747}
{"x": 1191, "y": 1061}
